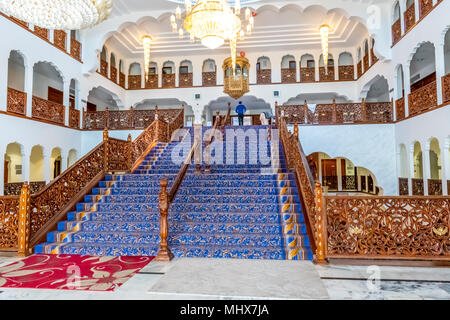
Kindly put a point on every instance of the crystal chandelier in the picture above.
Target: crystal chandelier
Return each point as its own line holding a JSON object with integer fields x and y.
{"x": 214, "y": 22}
{"x": 146, "y": 42}
{"x": 324, "y": 31}
{"x": 58, "y": 14}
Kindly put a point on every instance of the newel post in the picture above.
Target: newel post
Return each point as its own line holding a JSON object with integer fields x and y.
{"x": 164, "y": 253}
{"x": 319, "y": 233}
{"x": 106, "y": 149}
{"x": 131, "y": 118}
{"x": 130, "y": 152}
{"x": 296, "y": 130}
{"x": 334, "y": 115}
{"x": 24, "y": 220}
{"x": 107, "y": 118}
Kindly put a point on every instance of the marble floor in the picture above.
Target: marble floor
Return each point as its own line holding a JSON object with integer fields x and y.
{"x": 203, "y": 279}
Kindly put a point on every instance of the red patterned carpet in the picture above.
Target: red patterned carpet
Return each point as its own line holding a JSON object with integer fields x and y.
{"x": 71, "y": 272}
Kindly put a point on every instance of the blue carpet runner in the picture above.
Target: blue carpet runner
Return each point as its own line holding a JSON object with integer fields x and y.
{"x": 237, "y": 211}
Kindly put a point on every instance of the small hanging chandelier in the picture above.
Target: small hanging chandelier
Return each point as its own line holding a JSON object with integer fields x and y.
{"x": 146, "y": 42}
{"x": 58, "y": 14}
{"x": 324, "y": 32}
{"x": 213, "y": 22}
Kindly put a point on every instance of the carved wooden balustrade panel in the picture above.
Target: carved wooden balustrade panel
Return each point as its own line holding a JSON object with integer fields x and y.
{"x": 48, "y": 110}
{"x": 417, "y": 187}
{"x": 122, "y": 79}
{"x": 36, "y": 186}
{"x": 168, "y": 80}
{"x": 446, "y": 88}
{"x": 379, "y": 111}
{"x": 175, "y": 123}
{"x": 346, "y": 73}
{"x": 119, "y": 151}
{"x": 423, "y": 98}
{"x": 264, "y": 76}
{"x": 75, "y": 49}
{"x": 95, "y": 120}
{"x": 119, "y": 120}
{"x": 323, "y": 113}
{"x": 396, "y": 31}
{"x": 373, "y": 57}
{"x": 400, "y": 109}
{"x": 143, "y": 118}
{"x": 410, "y": 18}
{"x": 185, "y": 80}
{"x": 9, "y": 222}
{"x": 296, "y": 114}
{"x": 387, "y": 227}
{"x": 74, "y": 118}
{"x": 425, "y": 7}
{"x": 152, "y": 82}
{"x": 104, "y": 68}
{"x": 12, "y": 189}
{"x": 113, "y": 74}
{"x": 349, "y": 183}
{"x": 366, "y": 62}
{"x": 403, "y": 186}
{"x": 347, "y": 112}
{"x": 209, "y": 79}
{"x": 17, "y": 101}
{"x": 41, "y": 32}
{"x": 307, "y": 74}
{"x": 146, "y": 138}
{"x": 359, "y": 69}
{"x": 288, "y": 76}
{"x": 59, "y": 39}
{"x": 134, "y": 82}
{"x": 324, "y": 76}
{"x": 434, "y": 187}
{"x": 56, "y": 195}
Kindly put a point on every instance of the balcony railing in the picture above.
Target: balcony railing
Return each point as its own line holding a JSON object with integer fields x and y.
{"x": 17, "y": 101}
{"x": 410, "y": 17}
{"x": 209, "y": 78}
{"x": 446, "y": 88}
{"x": 60, "y": 39}
{"x": 400, "y": 108}
{"x": 307, "y": 74}
{"x": 396, "y": 31}
{"x": 48, "y": 110}
{"x": 423, "y": 98}
{"x": 346, "y": 73}
{"x": 264, "y": 76}
{"x": 288, "y": 76}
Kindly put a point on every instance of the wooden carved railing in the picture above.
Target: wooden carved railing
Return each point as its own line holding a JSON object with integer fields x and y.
{"x": 134, "y": 82}
{"x": 410, "y": 17}
{"x": 400, "y": 109}
{"x": 13, "y": 189}
{"x": 359, "y": 69}
{"x": 425, "y": 7}
{"x": 75, "y": 49}
{"x": 9, "y": 222}
{"x": 104, "y": 68}
{"x": 435, "y": 187}
{"x": 41, "y": 32}
{"x": 423, "y": 98}
{"x": 59, "y": 39}
{"x": 122, "y": 79}
{"x": 373, "y": 57}
{"x": 368, "y": 227}
{"x": 17, "y": 101}
{"x": 209, "y": 78}
{"x": 307, "y": 74}
{"x": 396, "y": 31}
{"x": 379, "y": 111}
{"x": 346, "y": 73}
{"x": 326, "y": 76}
{"x": 446, "y": 88}
{"x": 48, "y": 110}
{"x": 168, "y": 80}
{"x": 417, "y": 187}
{"x": 264, "y": 76}
{"x": 113, "y": 74}
{"x": 366, "y": 62}
{"x": 403, "y": 186}
{"x": 74, "y": 118}
{"x": 288, "y": 76}
{"x": 152, "y": 82}
{"x": 185, "y": 80}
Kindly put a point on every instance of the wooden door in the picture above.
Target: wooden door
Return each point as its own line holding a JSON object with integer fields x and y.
{"x": 329, "y": 174}
{"x": 57, "y": 168}
{"x": 55, "y": 95}
{"x": 5, "y": 173}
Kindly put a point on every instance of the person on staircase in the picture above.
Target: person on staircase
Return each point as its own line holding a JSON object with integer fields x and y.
{"x": 240, "y": 110}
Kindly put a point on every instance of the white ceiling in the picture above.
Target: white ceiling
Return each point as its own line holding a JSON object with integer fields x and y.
{"x": 291, "y": 27}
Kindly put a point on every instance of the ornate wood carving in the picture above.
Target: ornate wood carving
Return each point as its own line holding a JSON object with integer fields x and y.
{"x": 307, "y": 74}
{"x": 113, "y": 74}
{"x": 134, "y": 82}
{"x": 410, "y": 17}
{"x": 366, "y": 62}
{"x": 74, "y": 118}
{"x": 24, "y": 220}
{"x": 9, "y": 222}
{"x": 323, "y": 76}
{"x": 425, "y": 7}
{"x": 152, "y": 82}
{"x": 48, "y": 110}
{"x": 94, "y": 120}
{"x": 446, "y": 88}
{"x": 359, "y": 69}
{"x": 13, "y": 189}
{"x": 185, "y": 80}
{"x": 346, "y": 73}
{"x": 122, "y": 79}
{"x": 387, "y": 227}
{"x": 417, "y": 187}
{"x": 164, "y": 253}
{"x": 296, "y": 114}
{"x": 59, "y": 39}
{"x": 168, "y": 80}
{"x": 41, "y": 32}
{"x": 349, "y": 183}
{"x": 373, "y": 56}
{"x": 396, "y": 31}
{"x": 118, "y": 155}
{"x": 434, "y": 187}
{"x": 17, "y": 101}
{"x": 423, "y": 98}
{"x": 264, "y": 76}
{"x": 288, "y": 76}
{"x": 379, "y": 111}
{"x": 403, "y": 186}
{"x": 319, "y": 227}
{"x": 104, "y": 68}
{"x": 400, "y": 108}
{"x": 209, "y": 79}
{"x": 75, "y": 49}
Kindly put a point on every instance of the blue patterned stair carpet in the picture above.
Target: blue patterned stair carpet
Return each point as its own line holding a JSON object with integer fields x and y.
{"x": 239, "y": 210}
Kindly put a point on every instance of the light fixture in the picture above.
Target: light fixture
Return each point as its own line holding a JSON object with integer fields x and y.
{"x": 146, "y": 42}
{"x": 58, "y": 14}
{"x": 213, "y": 22}
{"x": 324, "y": 32}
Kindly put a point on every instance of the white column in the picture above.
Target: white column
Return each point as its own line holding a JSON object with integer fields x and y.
{"x": 316, "y": 70}
{"x": 197, "y": 70}
{"x": 2, "y": 178}
{"x": 66, "y": 101}
{"x": 411, "y": 168}
{"x": 370, "y": 50}
{"x": 426, "y": 167}
{"x": 51, "y": 36}
{"x": 198, "y": 110}
{"x": 4, "y": 82}
{"x": 47, "y": 166}
{"x": 276, "y": 69}
{"x": 68, "y": 42}
{"x": 26, "y": 164}
{"x": 417, "y": 9}
{"x": 219, "y": 74}
{"x": 355, "y": 65}
{"x": 297, "y": 71}
{"x": 440, "y": 70}
{"x": 336, "y": 66}
{"x": 64, "y": 156}
{"x": 402, "y": 15}
{"x": 445, "y": 162}
{"x": 407, "y": 87}
{"x": 177, "y": 74}
{"x": 29, "y": 88}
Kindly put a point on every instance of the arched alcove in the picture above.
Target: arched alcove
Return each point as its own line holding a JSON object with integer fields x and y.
{"x": 71, "y": 158}
{"x": 418, "y": 161}
{"x": 55, "y": 163}
{"x": 379, "y": 91}
{"x": 48, "y": 82}
{"x": 346, "y": 67}
{"x": 263, "y": 70}
{"x": 288, "y": 69}
{"x": 185, "y": 74}
{"x": 134, "y": 76}
{"x": 435, "y": 160}
{"x": 209, "y": 73}
{"x": 37, "y": 164}
{"x": 404, "y": 167}
{"x": 14, "y": 164}
{"x": 168, "y": 75}
{"x": 16, "y": 71}
{"x": 326, "y": 74}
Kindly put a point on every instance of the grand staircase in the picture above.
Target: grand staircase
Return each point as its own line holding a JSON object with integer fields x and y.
{"x": 236, "y": 211}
